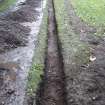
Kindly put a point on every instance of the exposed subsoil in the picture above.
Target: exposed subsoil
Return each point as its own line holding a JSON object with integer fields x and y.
{"x": 86, "y": 84}
{"x": 53, "y": 90}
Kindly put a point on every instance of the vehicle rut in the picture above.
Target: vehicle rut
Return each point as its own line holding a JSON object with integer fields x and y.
{"x": 52, "y": 90}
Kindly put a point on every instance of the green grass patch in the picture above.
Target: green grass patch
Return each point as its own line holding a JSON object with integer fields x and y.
{"x": 38, "y": 60}
{"x": 91, "y": 11}
{"x": 5, "y": 4}
{"x": 34, "y": 78}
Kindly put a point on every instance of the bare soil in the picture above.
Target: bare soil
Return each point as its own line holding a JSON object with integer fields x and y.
{"x": 23, "y": 14}
{"x": 12, "y": 33}
{"x": 53, "y": 90}
{"x": 7, "y": 83}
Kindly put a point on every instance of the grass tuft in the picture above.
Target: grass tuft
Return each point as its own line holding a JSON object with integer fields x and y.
{"x": 91, "y": 11}
{"x": 5, "y": 4}
{"x": 74, "y": 50}
{"x": 36, "y": 71}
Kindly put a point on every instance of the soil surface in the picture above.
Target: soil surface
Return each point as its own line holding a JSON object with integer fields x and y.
{"x": 86, "y": 83}
{"x": 23, "y": 14}
{"x": 53, "y": 90}
{"x": 17, "y": 43}
{"x": 12, "y": 35}
{"x": 9, "y": 25}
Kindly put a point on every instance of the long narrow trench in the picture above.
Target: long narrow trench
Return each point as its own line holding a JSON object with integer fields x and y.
{"x": 53, "y": 92}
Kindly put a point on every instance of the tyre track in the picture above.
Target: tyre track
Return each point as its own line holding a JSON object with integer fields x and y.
{"x": 53, "y": 90}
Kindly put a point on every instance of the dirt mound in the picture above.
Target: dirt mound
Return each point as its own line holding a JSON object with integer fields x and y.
{"x": 33, "y": 3}
{"x": 88, "y": 87}
{"x": 12, "y": 35}
{"x": 23, "y": 14}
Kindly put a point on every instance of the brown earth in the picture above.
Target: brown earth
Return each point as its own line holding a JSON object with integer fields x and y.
{"x": 53, "y": 90}
{"x": 85, "y": 83}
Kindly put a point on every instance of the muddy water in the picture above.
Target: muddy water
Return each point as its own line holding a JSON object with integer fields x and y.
{"x": 18, "y": 62}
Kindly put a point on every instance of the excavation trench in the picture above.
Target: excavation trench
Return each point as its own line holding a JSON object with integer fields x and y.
{"x": 53, "y": 90}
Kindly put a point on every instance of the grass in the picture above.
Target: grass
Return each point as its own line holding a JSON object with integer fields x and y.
{"x": 4, "y": 5}
{"x": 91, "y": 11}
{"x": 74, "y": 51}
{"x": 38, "y": 61}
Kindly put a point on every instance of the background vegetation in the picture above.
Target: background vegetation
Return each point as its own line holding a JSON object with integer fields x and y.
{"x": 91, "y": 11}
{"x": 5, "y": 4}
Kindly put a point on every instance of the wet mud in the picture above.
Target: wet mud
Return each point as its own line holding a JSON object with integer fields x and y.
{"x": 53, "y": 90}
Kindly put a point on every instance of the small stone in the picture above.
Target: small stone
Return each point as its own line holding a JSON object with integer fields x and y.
{"x": 92, "y": 58}
{"x": 93, "y": 98}
{"x": 2, "y": 103}
{"x": 71, "y": 100}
